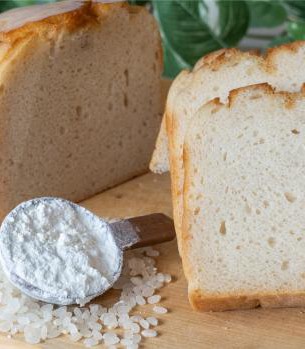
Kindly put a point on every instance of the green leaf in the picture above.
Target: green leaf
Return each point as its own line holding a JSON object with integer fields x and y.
{"x": 295, "y": 9}
{"x": 284, "y": 39}
{"x": 20, "y": 3}
{"x": 9, "y": 4}
{"x": 138, "y": 2}
{"x": 190, "y": 29}
{"x": 173, "y": 65}
{"x": 266, "y": 13}
{"x": 6, "y": 5}
{"x": 296, "y": 30}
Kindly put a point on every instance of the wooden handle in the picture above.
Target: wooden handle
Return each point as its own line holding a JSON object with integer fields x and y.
{"x": 153, "y": 229}
{"x": 143, "y": 231}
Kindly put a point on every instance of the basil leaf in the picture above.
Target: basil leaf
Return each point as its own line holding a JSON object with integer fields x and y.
{"x": 190, "y": 29}
{"x": 266, "y": 13}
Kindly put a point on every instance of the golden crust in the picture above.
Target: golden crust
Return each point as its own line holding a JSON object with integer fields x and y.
{"x": 204, "y": 302}
{"x": 87, "y": 14}
{"x": 185, "y": 233}
{"x": 71, "y": 15}
{"x": 290, "y": 47}
{"x": 258, "y": 91}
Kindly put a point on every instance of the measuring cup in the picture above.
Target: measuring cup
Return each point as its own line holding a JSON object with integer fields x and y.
{"x": 121, "y": 235}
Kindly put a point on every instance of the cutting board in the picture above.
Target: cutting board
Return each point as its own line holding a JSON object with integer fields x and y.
{"x": 182, "y": 327}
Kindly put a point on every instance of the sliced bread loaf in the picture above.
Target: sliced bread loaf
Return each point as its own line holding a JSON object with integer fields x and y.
{"x": 244, "y": 196}
{"x": 79, "y": 98}
{"x": 214, "y": 76}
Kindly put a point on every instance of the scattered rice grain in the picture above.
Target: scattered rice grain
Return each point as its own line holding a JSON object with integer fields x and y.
{"x": 149, "y": 333}
{"x": 154, "y": 299}
{"x": 159, "y": 310}
{"x": 152, "y": 320}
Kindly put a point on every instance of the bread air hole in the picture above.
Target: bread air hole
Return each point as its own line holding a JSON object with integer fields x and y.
{"x": 247, "y": 209}
{"x": 196, "y": 211}
{"x": 285, "y": 265}
{"x": 126, "y": 74}
{"x": 225, "y": 156}
{"x": 295, "y": 131}
{"x": 257, "y": 96}
{"x": 78, "y": 111}
{"x": 290, "y": 197}
{"x": 271, "y": 242}
{"x": 222, "y": 228}
{"x": 125, "y": 100}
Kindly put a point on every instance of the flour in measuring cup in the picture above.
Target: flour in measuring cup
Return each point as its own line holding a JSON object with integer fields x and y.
{"x": 61, "y": 250}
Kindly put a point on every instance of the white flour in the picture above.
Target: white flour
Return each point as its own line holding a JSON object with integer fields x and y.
{"x": 61, "y": 249}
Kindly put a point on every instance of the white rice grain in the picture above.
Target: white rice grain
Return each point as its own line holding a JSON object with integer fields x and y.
{"x": 110, "y": 338}
{"x": 159, "y": 310}
{"x": 149, "y": 333}
{"x": 154, "y": 299}
{"x": 152, "y": 320}
{"x": 140, "y": 300}
{"x": 90, "y": 342}
{"x": 144, "y": 324}
{"x": 139, "y": 280}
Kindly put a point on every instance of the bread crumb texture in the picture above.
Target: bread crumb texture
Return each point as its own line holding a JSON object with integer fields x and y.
{"x": 244, "y": 195}
{"x": 214, "y": 76}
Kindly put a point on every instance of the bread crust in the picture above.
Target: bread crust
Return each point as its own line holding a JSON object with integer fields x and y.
{"x": 71, "y": 16}
{"x": 199, "y": 299}
{"x": 258, "y": 90}
{"x": 68, "y": 18}
{"x": 203, "y": 302}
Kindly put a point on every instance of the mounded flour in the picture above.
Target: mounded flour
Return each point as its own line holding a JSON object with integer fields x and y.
{"x": 61, "y": 249}
{"x": 68, "y": 250}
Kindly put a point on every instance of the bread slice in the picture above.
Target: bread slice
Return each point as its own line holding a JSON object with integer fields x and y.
{"x": 214, "y": 76}
{"x": 244, "y": 196}
{"x": 80, "y": 98}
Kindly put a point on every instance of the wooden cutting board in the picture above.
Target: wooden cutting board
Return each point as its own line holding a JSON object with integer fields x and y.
{"x": 182, "y": 327}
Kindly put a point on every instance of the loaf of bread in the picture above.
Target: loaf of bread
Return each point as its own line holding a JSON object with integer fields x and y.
{"x": 214, "y": 76}
{"x": 243, "y": 223}
{"x": 80, "y": 98}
